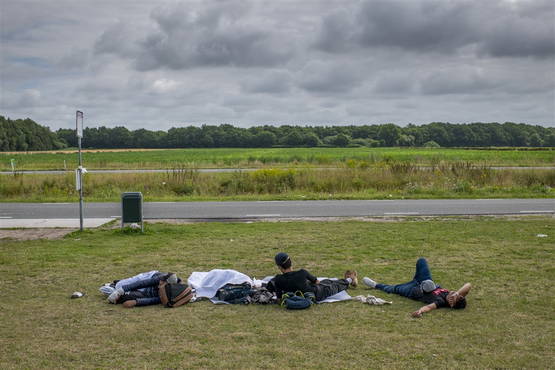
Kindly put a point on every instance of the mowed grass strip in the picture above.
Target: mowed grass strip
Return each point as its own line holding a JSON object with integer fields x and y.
{"x": 509, "y": 321}
{"x": 245, "y": 157}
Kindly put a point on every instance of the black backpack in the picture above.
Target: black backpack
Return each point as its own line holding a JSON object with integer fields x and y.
{"x": 235, "y": 293}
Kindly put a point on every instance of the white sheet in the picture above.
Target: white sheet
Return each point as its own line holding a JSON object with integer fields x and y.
{"x": 208, "y": 283}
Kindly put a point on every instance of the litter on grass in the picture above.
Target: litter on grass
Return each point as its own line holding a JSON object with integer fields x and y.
{"x": 371, "y": 300}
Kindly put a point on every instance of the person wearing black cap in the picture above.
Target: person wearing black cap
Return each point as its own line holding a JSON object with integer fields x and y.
{"x": 422, "y": 288}
{"x": 304, "y": 281}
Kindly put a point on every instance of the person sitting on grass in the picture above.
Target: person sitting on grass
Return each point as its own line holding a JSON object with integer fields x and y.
{"x": 423, "y": 289}
{"x": 143, "y": 292}
{"x": 302, "y": 280}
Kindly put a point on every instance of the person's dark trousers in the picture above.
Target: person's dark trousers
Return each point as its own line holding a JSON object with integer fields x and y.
{"x": 138, "y": 296}
{"x": 149, "y": 293}
{"x": 326, "y": 288}
{"x": 406, "y": 289}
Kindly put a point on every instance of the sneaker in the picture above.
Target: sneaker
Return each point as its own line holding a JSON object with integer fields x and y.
{"x": 353, "y": 275}
{"x": 369, "y": 282}
{"x": 106, "y": 289}
{"x": 115, "y": 295}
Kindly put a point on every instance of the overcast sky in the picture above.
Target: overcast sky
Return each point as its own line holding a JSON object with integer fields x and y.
{"x": 159, "y": 64}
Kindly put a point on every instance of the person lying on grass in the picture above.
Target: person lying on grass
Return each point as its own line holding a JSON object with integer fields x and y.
{"x": 302, "y": 280}
{"x": 142, "y": 292}
{"x": 422, "y": 288}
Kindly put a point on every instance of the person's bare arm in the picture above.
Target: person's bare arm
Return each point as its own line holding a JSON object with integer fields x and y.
{"x": 454, "y": 297}
{"x": 463, "y": 291}
{"x": 424, "y": 309}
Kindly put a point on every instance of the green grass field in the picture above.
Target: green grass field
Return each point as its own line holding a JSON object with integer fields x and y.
{"x": 238, "y": 157}
{"x": 509, "y": 321}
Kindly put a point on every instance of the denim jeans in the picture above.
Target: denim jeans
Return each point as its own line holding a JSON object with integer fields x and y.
{"x": 141, "y": 276}
{"x": 144, "y": 291}
{"x": 407, "y": 289}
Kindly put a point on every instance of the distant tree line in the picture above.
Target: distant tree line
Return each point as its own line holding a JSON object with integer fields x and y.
{"x": 28, "y": 135}
{"x": 228, "y": 136}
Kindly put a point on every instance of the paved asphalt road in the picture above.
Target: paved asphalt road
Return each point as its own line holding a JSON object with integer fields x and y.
{"x": 284, "y": 209}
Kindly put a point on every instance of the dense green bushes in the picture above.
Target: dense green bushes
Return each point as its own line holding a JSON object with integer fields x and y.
{"x": 26, "y": 134}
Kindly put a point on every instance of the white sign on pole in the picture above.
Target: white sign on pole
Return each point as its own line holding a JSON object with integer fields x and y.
{"x": 79, "y": 123}
{"x": 79, "y": 173}
{"x": 77, "y": 180}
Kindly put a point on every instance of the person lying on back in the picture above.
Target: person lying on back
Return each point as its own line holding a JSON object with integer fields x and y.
{"x": 304, "y": 281}
{"x": 423, "y": 289}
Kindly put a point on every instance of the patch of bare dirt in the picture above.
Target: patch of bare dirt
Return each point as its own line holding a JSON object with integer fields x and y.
{"x": 32, "y": 234}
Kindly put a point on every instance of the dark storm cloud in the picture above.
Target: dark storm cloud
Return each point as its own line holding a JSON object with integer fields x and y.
{"x": 496, "y": 27}
{"x": 415, "y": 25}
{"x": 219, "y": 34}
{"x": 521, "y": 37}
{"x": 336, "y": 32}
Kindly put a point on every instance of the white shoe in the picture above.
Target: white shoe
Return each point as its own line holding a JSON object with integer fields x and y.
{"x": 369, "y": 282}
{"x": 114, "y": 296}
{"x": 106, "y": 289}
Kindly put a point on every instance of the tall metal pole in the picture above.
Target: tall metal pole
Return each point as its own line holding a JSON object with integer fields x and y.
{"x": 79, "y": 129}
{"x": 80, "y": 189}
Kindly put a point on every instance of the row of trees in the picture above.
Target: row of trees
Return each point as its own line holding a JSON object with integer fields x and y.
{"x": 228, "y": 136}
{"x": 28, "y": 135}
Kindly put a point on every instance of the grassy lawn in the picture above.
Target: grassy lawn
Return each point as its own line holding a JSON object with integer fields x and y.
{"x": 241, "y": 157}
{"x": 509, "y": 321}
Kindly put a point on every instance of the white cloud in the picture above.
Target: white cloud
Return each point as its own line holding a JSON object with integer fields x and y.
{"x": 164, "y": 85}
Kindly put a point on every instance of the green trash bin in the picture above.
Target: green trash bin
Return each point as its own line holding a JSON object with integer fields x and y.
{"x": 132, "y": 208}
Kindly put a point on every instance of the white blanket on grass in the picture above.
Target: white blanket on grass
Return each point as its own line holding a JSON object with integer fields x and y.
{"x": 207, "y": 284}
